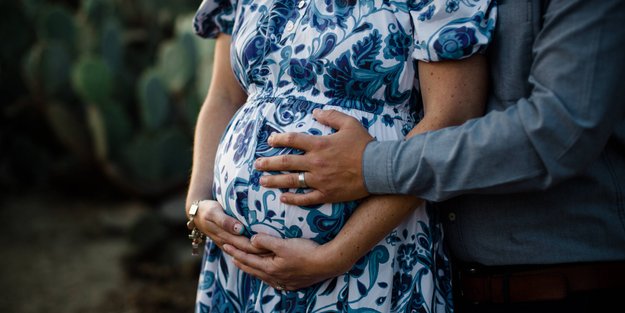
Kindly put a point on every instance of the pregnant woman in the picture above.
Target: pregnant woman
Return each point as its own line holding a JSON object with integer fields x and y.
{"x": 277, "y": 61}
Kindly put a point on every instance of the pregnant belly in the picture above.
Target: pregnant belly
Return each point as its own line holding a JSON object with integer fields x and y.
{"x": 236, "y": 182}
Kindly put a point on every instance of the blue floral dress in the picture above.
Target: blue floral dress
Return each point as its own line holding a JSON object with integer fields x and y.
{"x": 358, "y": 57}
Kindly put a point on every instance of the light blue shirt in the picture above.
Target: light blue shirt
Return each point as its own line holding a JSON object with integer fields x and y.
{"x": 541, "y": 177}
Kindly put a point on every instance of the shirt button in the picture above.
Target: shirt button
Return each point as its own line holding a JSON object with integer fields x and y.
{"x": 451, "y": 216}
{"x": 301, "y": 4}
{"x": 289, "y": 26}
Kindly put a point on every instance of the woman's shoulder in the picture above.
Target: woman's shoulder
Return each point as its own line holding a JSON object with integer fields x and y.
{"x": 451, "y": 29}
{"x": 214, "y": 17}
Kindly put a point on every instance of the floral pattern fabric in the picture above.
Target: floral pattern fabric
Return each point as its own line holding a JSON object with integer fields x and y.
{"x": 358, "y": 57}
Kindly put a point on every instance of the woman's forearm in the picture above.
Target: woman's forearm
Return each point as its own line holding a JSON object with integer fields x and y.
{"x": 224, "y": 98}
{"x": 212, "y": 121}
{"x": 373, "y": 220}
{"x": 448, "y": 100}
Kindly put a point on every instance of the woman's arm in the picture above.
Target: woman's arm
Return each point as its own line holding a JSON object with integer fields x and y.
{"x": 224, "y": 98}
{"x": 449, "y": 99}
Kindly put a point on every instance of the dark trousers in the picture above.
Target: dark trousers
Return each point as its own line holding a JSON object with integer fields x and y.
{"x": 582, "y": 287}
{"x": 606, "y": 300}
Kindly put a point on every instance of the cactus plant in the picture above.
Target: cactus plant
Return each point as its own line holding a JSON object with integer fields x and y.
{"x": 119, "y": 85}
{"x": 92, "y": 80}
{"x": 177, "y": 62}
{"x": 153, "y": 100}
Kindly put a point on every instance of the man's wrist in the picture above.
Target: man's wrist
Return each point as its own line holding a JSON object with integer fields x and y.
{"x": 377, "y": 167}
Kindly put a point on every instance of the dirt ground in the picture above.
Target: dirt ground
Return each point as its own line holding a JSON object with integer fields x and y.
{"x": 65, "y": 254}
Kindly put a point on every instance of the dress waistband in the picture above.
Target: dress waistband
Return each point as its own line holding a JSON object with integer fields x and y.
{"x": 350, "y": 107}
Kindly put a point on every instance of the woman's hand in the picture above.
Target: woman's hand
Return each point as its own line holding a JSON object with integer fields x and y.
{"x": 293, "y": 264}
{"x": 221, "y": 228}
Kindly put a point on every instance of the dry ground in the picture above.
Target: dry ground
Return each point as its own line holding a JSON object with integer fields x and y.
{"x": 62, "y": 254}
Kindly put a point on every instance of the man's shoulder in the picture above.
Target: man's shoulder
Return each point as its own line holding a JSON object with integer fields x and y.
{"x": 510, "y": 54}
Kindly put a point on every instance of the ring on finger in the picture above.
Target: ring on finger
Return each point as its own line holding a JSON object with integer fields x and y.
{"x": 301, "y": 180}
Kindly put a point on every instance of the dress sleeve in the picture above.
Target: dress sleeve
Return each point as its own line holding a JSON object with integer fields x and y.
{"x": 214, "y": 17}
{"x": 451, "y": 29}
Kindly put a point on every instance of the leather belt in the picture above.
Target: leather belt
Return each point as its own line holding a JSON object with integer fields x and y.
{"x": 554, "y": 282}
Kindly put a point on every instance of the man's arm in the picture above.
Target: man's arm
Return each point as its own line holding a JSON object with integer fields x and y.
{"x": 574, "y": 106}
{"x": 576, "y": 102}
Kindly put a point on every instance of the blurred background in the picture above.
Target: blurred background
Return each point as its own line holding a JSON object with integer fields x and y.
{"x": 98, "y": 103}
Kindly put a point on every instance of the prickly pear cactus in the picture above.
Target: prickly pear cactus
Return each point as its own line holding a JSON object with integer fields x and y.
{"x": 120, "y": 84}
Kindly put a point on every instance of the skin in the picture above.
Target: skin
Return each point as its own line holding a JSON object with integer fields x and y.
{"x": 298, "y": 263}
{"x": 224, "y": 98}
{"x": 448, "y": 100}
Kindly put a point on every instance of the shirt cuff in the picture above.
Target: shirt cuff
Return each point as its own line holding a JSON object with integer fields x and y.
{"x": 377, "y": 167}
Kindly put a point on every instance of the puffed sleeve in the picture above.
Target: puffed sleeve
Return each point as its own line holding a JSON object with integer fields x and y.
{"x": 214, "y": 17}
{"x": 451, "y": 29}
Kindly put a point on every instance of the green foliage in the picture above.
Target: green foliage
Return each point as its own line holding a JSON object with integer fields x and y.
{"x": 57, "y": 23}
{"x": 117, "y": 82}
{"x": 111, "y": 45}
{"x": 46, "y": 68}
{"x": 176, "y": 62}
{"x": 153, "y": 157}
{"x": 68, "y": 128}
{"x": 153, "y": 101}
{"x": 92, "y": 80}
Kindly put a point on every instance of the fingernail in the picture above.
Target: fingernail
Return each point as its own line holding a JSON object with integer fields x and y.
{"x": 226, "y": 248}
{"x": 252, "y": 238}
{"x": 263, "y": 181}
{"x": 270, "y": 139}
{"x": 283, "y": 198}
{"x": 316, "y": 111}
{"x": 238, "y": 228}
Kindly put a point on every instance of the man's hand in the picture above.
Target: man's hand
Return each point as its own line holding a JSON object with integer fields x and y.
{"x": 332, "y": 163}
{"x": 293, "y": 264}
{"x": 221, "y": 228}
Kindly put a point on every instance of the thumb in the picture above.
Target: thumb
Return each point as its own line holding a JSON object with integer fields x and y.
{"x": 217, "y": 215}
{"x": 332, "y": 118}
{"x": 267, "y": 242}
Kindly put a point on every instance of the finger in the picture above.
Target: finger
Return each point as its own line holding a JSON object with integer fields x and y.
{"x": 285, "y": 162}
{"x": 256, "y": 273}
{"x": 280, "y": 181}
{"x": 272, "y": 281}
{"x": 268, "y": 242}
{"x": 220, "y": 237}
{"x": 239, "y": 257}
{"x": 242, "y": 243}
{"x": 303, "y": 199}
{"x": 292, "y": 140}
{"x": 216, "y": 215}
{"x": 258, "y": 263}
{"x": 333, "y": 118}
